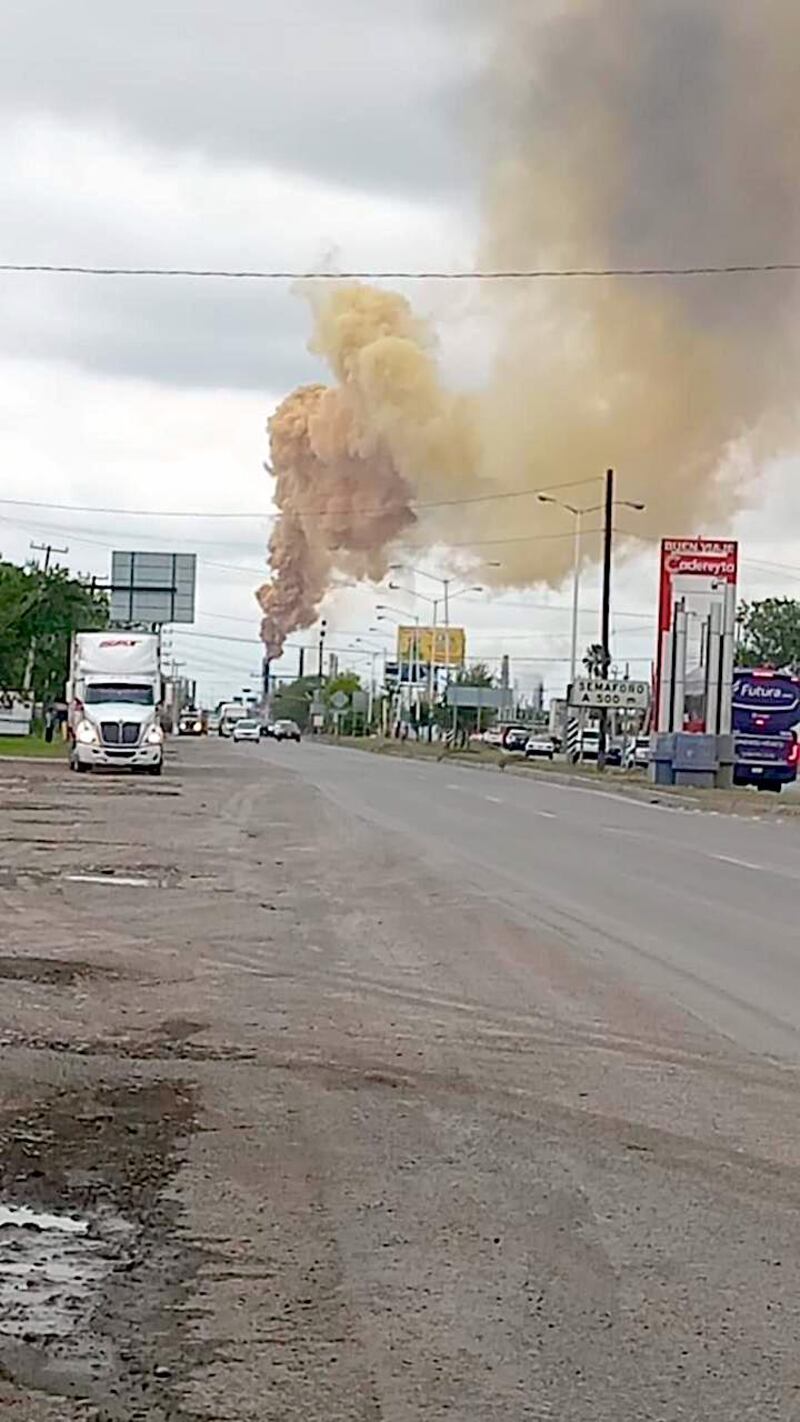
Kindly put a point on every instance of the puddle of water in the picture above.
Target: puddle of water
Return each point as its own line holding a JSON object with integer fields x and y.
{"x": 26, "y": 1218}
{"x": 49, "y": 1272}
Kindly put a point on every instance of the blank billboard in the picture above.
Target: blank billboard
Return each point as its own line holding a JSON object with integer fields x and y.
{"x": 152, "y": 588}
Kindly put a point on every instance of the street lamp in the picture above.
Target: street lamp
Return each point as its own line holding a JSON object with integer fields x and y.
{"x": 447, "y": 598}
{"x": 446, "y": 594}
{"x": 387, "y": 613}
{"x": 578, "y": 515}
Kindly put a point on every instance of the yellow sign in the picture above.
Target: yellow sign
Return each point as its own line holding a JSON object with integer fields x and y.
{"x": 443, "y": 646}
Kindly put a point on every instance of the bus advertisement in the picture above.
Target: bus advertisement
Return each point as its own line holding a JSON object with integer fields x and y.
{"x": 766, "y": 722}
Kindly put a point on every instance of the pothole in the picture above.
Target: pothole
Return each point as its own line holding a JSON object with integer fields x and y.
{"x": 49, "y": 1270}
{"x": 47, "y": 970}
{"x": 93, "y": 1266}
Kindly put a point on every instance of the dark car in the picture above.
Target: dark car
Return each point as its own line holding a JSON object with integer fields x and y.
{"x": 516, "y": 738}
{"x": 191, "y": 723}
{"x": 286, "y": 731}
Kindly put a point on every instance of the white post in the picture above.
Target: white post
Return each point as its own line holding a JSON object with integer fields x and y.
{"x": 713, "y": 648}
{"x": 665, "y": 683}
{"x": 576, "y": 586}
{"x": 446, "y": 586}
{"x": 371, "y": 697}
{"x": 679, "y": 675}
{"x": 727, "y": 662}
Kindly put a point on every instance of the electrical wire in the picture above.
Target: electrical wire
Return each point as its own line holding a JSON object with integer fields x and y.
{"x": 306, "y": 513}
{"x": 509, "y": 274}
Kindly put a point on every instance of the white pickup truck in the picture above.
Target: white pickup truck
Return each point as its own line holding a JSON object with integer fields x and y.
{"x": 114, "y": 696}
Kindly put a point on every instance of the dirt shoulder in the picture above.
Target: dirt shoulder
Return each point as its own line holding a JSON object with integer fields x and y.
{"x": 343, "y": 1139}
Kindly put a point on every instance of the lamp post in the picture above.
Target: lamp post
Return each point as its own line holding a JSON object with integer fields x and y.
{"x": 447, "y": 597}
{"x": 387, "y": 613}
{"x": 579, "y": 514}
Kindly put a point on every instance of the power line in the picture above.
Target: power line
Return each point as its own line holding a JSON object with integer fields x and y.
{"x": 493, "y": 274}
{"x": 310, "y": 512}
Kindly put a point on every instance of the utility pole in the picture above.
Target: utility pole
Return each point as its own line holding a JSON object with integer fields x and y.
{"x": 605, "y": 622}
{"x": 323, "y": 627}
{"x": 48, "y": 549}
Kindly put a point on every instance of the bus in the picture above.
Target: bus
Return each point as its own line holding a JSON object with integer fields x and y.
{"x": 766, "y": 723}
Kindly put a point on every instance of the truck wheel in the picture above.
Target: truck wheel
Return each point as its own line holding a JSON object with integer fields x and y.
{"x": 155, "y": 769}
{"x": 77, "y": 765}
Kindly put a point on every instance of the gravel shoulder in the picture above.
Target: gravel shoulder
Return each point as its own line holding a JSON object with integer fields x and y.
{"x": 349, "y": 1141}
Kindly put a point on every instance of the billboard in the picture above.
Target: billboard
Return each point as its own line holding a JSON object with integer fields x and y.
{"x": 148, "y": 589}
{"x": 695, "y": 573}
{"x": 441, "y": 646}
{"x": 694, "y": 569}
{"x": 481, "y": 698}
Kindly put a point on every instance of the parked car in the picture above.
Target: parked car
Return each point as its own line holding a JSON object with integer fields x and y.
{"x": 637, "y": 754}
{"x": 590, "y": 745}
{"x": 516, "y": 738}
{"x": 246, "y": 730}
{"x": 540, "y": 746}
{"x": 286, "y": 731}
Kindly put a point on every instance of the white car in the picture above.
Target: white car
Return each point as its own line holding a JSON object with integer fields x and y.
{"x": 637, "y": 755}
{"x": 540, "y": 747}
{"x": 246, "y": 730}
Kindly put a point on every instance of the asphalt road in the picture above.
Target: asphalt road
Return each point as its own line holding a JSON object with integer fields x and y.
{"x": 701, "y": 908}
{"x": 378, "y": 1092}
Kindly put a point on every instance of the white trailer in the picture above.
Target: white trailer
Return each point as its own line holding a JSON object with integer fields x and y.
{"x": 114, "y": 696}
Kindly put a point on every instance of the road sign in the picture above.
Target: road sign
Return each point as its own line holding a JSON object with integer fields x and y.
{"x": 481, "y": 698}
{"x": 598, "y": 695}
{"x": 152, "y": 588}
{"x": 340, "y": 700}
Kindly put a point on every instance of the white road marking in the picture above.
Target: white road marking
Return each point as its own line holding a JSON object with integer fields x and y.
{"x": 108, "y": 879}
{"x": 744, "y": 863}
{"x": 757, "y": 868}
{"x": 493, "y": 799}
{"x": 546, "y": 814}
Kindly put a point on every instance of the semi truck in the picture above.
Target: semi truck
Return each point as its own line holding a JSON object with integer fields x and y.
{"x": 114, "y": 696}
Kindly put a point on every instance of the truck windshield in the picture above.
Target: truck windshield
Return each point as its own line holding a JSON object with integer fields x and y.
{"x": 118, "y": 692}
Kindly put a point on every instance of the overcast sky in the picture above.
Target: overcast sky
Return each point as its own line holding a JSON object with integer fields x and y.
{"x": 249, "y": 134}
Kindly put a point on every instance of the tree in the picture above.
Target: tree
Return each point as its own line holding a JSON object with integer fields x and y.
{"x": 476, "y": 675}
{"x": 347, "y": 682}
{"x": 39, "y": 611}
{"x": 292, "y": 701}
{"x": 594, "y": 659}
{"x": 770, "y": 633}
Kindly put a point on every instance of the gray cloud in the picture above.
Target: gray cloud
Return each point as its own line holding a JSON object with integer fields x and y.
{"x": 363, "y": 93}
{"x": 212, "y": 335}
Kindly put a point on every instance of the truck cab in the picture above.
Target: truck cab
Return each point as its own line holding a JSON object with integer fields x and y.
{"x": 114, "y": 702}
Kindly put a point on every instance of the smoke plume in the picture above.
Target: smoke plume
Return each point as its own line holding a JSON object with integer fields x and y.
{"x": 618, "y": 133}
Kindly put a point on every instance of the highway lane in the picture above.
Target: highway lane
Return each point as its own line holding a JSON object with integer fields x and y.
{"x": 700, "y": 908}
